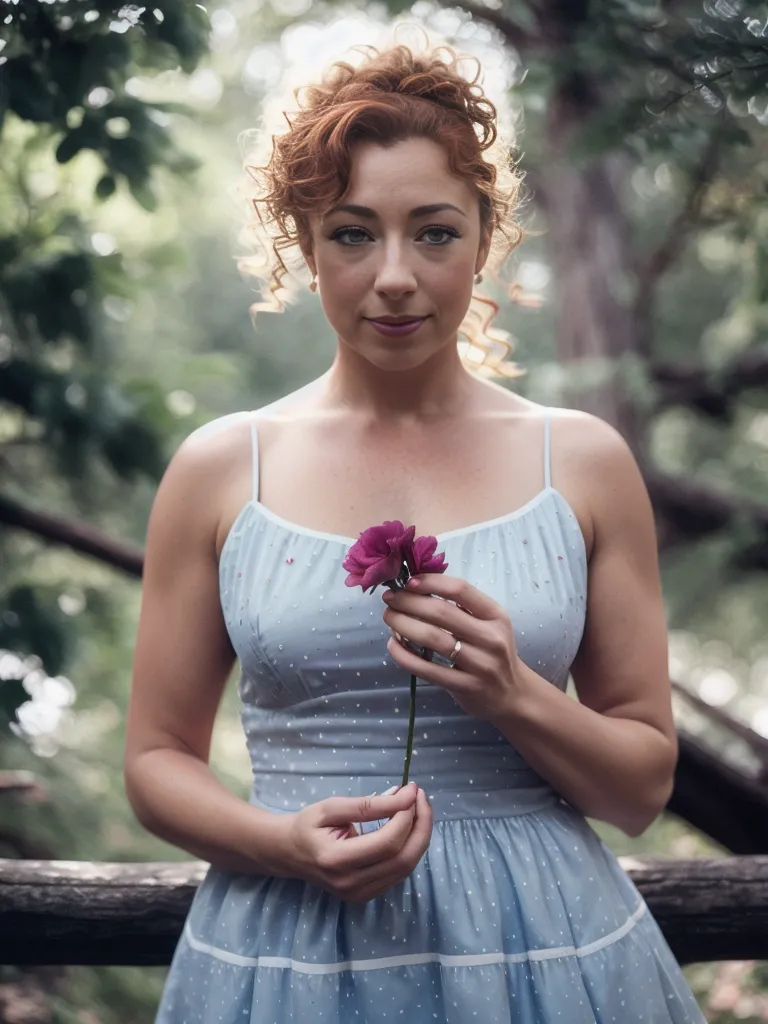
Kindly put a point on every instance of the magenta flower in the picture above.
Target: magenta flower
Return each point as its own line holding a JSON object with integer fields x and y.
{"x": 379, "y": 554}
{"x": 422, "y": 558}
{"x": 391, "y": 554}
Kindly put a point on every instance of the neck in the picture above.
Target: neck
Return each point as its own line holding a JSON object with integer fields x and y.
{"x": 438, "y": 388}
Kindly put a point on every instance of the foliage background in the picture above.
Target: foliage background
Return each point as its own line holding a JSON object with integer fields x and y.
{"x": 124, "y": 325}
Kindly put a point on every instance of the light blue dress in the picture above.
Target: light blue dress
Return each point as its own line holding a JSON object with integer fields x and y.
{"x": 517, "y": 912}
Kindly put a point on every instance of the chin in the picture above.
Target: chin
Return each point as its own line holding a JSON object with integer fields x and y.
{"x": 397, "y": 354}
{"x": 399, "y": 360}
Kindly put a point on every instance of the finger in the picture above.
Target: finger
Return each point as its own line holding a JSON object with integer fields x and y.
{"x": 373, "y": 848}
{"x": 454, "y": 678}
{"x": 344, "y": 831}
{"x": 437, "y": 614}
{"x": 413, "y": 849}
{"x": 452, "y": 588}
{"x": 341, "y": 810}
{"x": 418, "y": 839}
{"x": 424, "y": 635}
{"x": 373, "y": 881}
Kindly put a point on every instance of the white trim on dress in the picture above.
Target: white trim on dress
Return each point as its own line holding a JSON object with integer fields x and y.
{"x": 415, "y": 959}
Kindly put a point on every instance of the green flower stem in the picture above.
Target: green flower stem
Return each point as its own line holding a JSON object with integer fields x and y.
{"x": 411, "y": 723}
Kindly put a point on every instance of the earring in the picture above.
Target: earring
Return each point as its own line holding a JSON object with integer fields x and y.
{"x": 313, "y": 284}
{"x": 478, "y": 278}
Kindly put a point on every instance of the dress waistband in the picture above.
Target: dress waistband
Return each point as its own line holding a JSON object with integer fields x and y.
{"x": 460, "y": 795}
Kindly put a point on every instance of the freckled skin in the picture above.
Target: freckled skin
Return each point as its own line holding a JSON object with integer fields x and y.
{"x": 396, "y": 264}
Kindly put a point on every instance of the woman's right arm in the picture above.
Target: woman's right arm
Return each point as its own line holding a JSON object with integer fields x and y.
{"x": 182, "y": 661}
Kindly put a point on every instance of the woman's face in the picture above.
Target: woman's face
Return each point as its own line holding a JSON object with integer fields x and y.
{"x": 404, "y": 243}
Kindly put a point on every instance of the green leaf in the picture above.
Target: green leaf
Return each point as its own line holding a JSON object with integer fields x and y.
{"x": 69, "y": 146}
{"x": 105, "y": 187}
{"x": 31, "y": 622}
{"x": 29, "y": 95}
{"x": 128, "y": 157}
{"x": 88, "y": 135}
{"x": 12, "y": 696}
{"x": 144, "y": 195}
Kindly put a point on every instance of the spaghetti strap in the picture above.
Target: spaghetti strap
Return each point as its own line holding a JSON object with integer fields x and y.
{"x": 255, "y": 460}
{"x": 547, "y": 452}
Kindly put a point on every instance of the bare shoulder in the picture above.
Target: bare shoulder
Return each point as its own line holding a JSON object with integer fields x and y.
{"x": 596, "y": 470}
{"x": 209, "y": 478}
{"x": 208, "y": 457}
{"x": 589, "y": 441}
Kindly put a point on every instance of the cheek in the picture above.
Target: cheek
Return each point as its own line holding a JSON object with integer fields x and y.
{"x": 451, "y": 285}
{"x": 343, "y": 283}
{"x": 337, "y": 288}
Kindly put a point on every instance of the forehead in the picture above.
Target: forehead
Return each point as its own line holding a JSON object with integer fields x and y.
{"x": 406, "y": 174}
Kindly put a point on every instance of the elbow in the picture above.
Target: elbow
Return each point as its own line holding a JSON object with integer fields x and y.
{"x": 643, "y": 816}
{"x": 635, "y": 827}
{"x": 133, "y": 794}
{"x": 639, "y": 822}
{"x": 137, "y": 784}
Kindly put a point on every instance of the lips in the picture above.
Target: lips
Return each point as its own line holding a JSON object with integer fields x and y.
{"x": 395, "y": 321}
{"x": 394, "y": 328}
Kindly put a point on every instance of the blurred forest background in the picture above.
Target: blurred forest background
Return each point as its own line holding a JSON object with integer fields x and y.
{"x": 124, "y": 325}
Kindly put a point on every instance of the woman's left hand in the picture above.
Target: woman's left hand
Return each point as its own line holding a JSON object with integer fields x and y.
{"x": 485, "y": 679}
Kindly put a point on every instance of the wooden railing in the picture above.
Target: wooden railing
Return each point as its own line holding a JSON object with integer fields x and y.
{"x": 78, "y": 912}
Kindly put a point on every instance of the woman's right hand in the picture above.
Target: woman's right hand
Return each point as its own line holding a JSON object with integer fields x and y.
{"x": 323, "y": 847}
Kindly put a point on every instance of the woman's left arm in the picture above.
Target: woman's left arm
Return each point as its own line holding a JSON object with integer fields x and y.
{"x": 612, "y": 754}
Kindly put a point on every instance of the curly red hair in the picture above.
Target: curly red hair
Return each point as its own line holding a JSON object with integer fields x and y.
{"x": 394, "y": 95}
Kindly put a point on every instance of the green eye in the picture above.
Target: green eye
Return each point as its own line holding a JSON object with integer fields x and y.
{"x": 342, "y": 235}
{"x": 450, "y": 232}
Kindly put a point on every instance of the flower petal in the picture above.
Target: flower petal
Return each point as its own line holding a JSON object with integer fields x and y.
{"x": 378, "y": 554}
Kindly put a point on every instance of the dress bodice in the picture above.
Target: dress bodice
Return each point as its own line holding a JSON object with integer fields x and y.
{"x": 516, "y": 911}
{"x": 324, "y": 706}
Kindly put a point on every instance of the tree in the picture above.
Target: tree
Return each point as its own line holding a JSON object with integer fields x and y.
{"x": 75, "y": 433}
{"x": 612, "y": 87}
{"x": 620, "y": 87}
{"x": 66, "y": 425}
{"x": 692, "y": 411}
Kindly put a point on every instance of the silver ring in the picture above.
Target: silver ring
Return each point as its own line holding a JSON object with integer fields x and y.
{"x": 452, "y": 656}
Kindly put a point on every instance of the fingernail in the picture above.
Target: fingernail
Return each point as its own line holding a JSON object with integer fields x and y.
{"x": 388, "y": 595}
{"x": 391, "y": 791}
{"x": 413, "y": 583}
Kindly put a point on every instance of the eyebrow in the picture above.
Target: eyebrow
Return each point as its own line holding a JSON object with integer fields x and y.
{"x": 417, "y": 211}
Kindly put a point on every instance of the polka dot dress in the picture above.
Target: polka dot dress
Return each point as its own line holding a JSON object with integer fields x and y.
{"x": 517, "y": 912}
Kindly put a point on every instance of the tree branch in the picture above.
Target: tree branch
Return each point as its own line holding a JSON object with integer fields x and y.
{"x": 517, "y": 37}
{"x": 82, "y": 538}
{"x": 718, "y": 799}
{"x": 78, "y": 912}
{"x": 712, "y": 392}
{"x": 669, "y": 250}
{"x": 686, "y": 508}
{"x": 757, "y": 744}
{"x": 689, "y": 510}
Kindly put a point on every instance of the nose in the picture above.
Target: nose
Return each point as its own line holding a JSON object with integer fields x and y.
{"x": 394, "y": 275}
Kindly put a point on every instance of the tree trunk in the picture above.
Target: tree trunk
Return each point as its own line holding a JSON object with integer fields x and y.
{"x": 602, "y": 336}
{"x": 589, "y": 249}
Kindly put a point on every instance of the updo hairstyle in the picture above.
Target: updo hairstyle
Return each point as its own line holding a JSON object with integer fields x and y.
{"x": 392, "y": 96}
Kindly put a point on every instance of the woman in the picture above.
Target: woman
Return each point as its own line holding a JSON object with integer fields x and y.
{"x": 479, "y": 892}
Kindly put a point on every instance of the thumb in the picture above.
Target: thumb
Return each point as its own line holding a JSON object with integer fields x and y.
{"x": 340, "y": 810}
